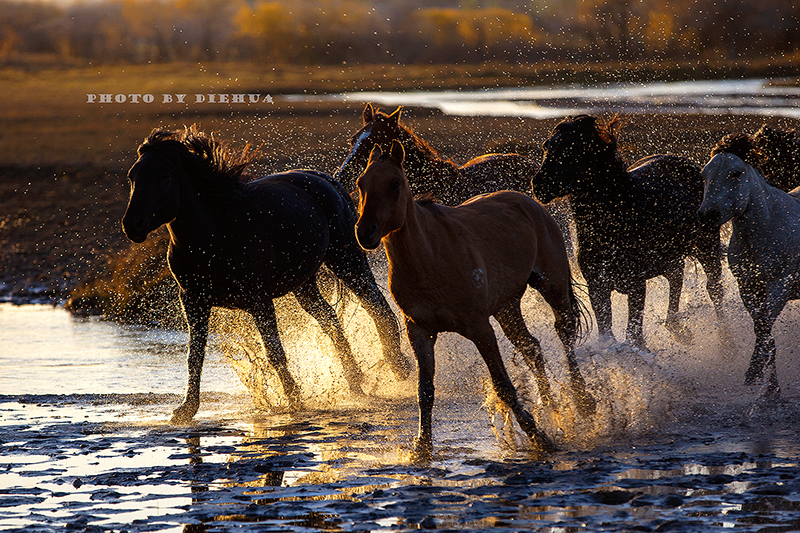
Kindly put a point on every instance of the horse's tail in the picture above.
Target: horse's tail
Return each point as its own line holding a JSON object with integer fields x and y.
{"x": 583, "y": 324}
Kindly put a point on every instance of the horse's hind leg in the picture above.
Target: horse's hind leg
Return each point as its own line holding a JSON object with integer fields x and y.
{"x": 673, "y": 323}
{"x": 357, "y": 277}
{"x": 310, "y": 299}
{"x": 267, "y": 325}
{"x": 565, "y": 306}
{"x": 513, "y": 324}
{"x": 486, "y": 342}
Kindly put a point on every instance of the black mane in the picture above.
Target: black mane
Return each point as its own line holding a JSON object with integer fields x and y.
{"x": 740, "y": 145}
{"x": 211, "y": 165}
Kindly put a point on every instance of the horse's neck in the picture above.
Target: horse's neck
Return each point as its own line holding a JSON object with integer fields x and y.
{"x": 409, "y": 248}
{"x": 769, "y": 210}
{"x": 418, "y": 163}
{"x": 195, "y": 225}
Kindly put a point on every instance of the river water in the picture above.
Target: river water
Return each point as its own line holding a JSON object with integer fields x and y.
{"x": 677, "y": 444}
{"x": 746, "y": 96}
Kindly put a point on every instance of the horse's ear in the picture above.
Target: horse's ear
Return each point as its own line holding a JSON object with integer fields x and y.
{"x": 394, "y": 118}
{"x": 375, "y": 153}
{"x": 397, "y": 152}
{"x": 368, "y": 114}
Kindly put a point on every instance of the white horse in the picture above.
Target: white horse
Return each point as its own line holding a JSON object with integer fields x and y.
{"x": 764, "y": 251}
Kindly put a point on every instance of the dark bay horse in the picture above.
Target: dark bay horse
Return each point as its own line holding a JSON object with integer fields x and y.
{"x": 427, "y": 173}
{"x": 239, "y": 244}
{"x": 632, "y": 223}
{"x": 779, "y": 159}
{"x": 452, "y": 268}
{"x": 763, "y": 251}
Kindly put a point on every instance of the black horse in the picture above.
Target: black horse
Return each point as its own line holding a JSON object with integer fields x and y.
{"x": 239, "y": 244}
{"x": 632, "y": 224}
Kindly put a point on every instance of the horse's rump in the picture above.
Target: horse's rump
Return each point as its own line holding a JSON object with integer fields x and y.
{"x": 494, "y": 172}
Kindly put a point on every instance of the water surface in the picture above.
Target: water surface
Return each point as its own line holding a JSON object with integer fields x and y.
{"x": 677, "y": 443}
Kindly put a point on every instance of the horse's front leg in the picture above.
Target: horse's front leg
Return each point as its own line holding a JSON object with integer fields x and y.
{"x": 422, "y": 342}
{"x": 366, "y": 290}
{"x": 673, "y": 324}
{"x": 197, "y": 313}
{"x": 634, "y": 333}
{"x": 513, "y": 325}
{"x": 486, "y": 342}
{"x": 764, "y": 315}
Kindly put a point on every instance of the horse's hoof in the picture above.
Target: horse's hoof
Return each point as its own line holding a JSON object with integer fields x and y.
{"x": 423, "y": 450}
{"x": 183, "y": 414}
{"x": 542, "y": 442}
{"x": 587, "y": 405}
{"x": 401, "y": 368}
{"x": 680, "y": 332}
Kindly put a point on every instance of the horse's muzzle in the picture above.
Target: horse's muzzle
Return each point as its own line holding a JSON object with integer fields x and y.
{"x": 709, "y": 216}
{"x": 135, "y": 230}
{"x": 368, "y": 236}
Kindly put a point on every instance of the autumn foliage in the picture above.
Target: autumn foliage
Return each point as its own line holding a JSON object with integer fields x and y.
{"x": 394, "y": 31}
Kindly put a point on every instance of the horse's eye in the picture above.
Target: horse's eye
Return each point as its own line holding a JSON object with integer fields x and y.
{"x": 395, "y": 185}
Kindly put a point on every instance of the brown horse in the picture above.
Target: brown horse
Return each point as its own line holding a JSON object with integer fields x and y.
{"x": 426, "y": 172}
{"x": 451, "y": 268}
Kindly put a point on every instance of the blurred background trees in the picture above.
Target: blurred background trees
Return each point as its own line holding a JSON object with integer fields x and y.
{"x": 396, "y": 31}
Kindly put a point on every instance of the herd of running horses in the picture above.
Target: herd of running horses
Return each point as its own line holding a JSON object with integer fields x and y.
{"x": 463, "y": 243}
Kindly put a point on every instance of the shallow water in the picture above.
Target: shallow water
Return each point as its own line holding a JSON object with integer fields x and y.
{"x": 677, "y": 442}
{"x": 747, "y": 96}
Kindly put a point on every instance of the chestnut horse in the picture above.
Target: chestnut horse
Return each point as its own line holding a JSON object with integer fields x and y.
{"x": 632, "y": 224}
{"x": 451, "y": 268}
{"x": 763, "y": 251}
{"x": 239, "y": 244}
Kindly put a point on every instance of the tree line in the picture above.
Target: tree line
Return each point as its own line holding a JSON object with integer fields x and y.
{"x": 397, "y": 31}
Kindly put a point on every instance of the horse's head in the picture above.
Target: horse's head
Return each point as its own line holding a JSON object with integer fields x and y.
{"x": 728, "y": 183}
{"x": 379, "y": 129}
{"x": 154, "y": 180}
{"x": 571, "y": 151}
{"x": 383, "y": 196}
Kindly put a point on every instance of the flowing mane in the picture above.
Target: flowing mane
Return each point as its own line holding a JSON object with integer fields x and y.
{"x": 213, "y": 167}
{"x": 740, "y": 145}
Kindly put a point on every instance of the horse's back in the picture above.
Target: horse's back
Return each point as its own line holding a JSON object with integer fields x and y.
{"x": 666, "y": 173}
{"x": 326, "y": 192}
{"x": 512, "y": 224}
{"x": 495, "y": 172}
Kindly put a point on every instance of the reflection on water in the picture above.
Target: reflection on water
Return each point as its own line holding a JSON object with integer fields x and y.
{"x": 749, "y": 96}
{"x": 44, "y": 350}
{"x": 677, "y": 443}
